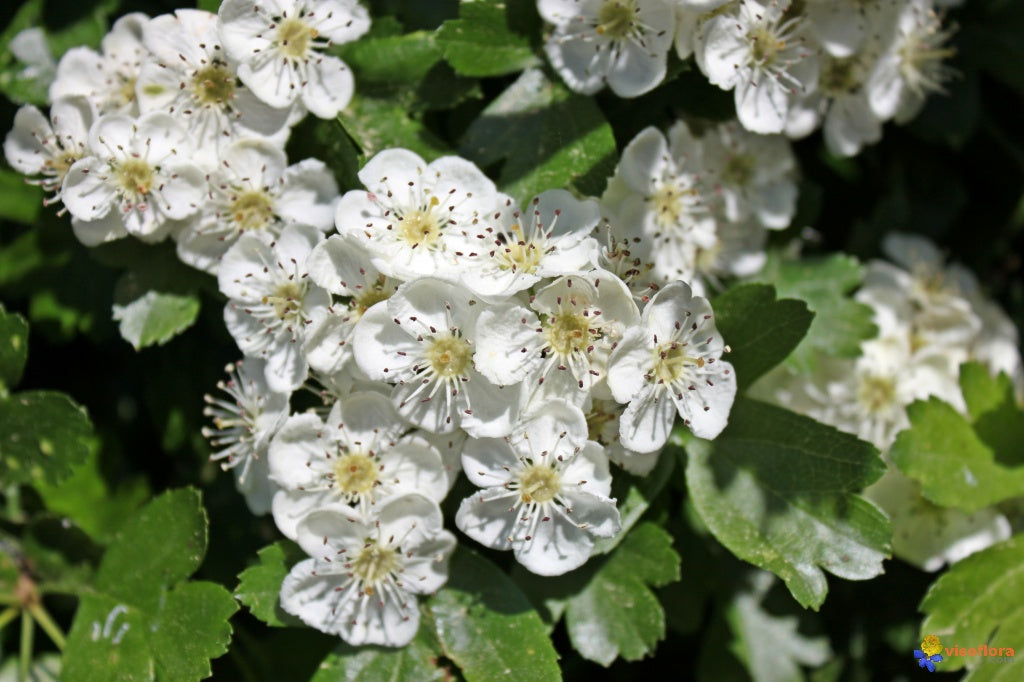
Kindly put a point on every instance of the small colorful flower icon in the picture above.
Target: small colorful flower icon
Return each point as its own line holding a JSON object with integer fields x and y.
{"x": 928, "y": 655}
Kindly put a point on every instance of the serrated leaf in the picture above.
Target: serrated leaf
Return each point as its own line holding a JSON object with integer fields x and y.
{"x": 634, "y": 494}
{"x": 13, "y": 349}
{"x": 992, "y": 406}
{"x": 760, "y": 330}
{"x": 616, "y": 614}
{"x": 982, "y": 391}
{"x": 391, "y": 60}
{"x": 771, "y": 646}
{"x": 480, "y": 42}
{"x": 840, "y": 324}
{"x": 43, "y": 435}
{"x": 980, "y": 600}
{"x": 144, "y": 621}
{"x": 954, "y": 466}
{"x": 548, "y": 137}
{"x": 259, "y": 586}
{"x": 414, "y": 662}
{"x": 378, "y": 124}
{"x": 156, "y": 318}
{"x": 488, "y": 627}
{"x": 778, "y": 490}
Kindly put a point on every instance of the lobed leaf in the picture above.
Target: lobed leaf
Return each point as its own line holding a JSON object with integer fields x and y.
{"x": 481, "y": 43}
{"x": 156, "y": 318}
{"x": 43, "y": 435}
{"x": 259, "y": 586}
{"x": 778, "y": 490}
{"x": 416, "y": 661}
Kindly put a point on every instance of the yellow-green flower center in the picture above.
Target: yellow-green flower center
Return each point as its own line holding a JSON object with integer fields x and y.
{"x": 539, "y": 483}
{"x": 674, "y": 362}
{"x": 450, "y": 356}
{"x": 287, "y": 299}
{"x": 294, "y": 36}
{"x": 213, "y": 84}
{"x": 251, "y": 210}
{"x": 127, "y": 90}
{"x": 839, "y": 76}
{"x": 355, "y": 473}
{"x": 370, "y": 296}
{"x": 134, "y": 176}
{"x": 739, "y": 169}
{"x": 567, "y": 331}
{"x": 373, "y": 564}
{"x": 615, "y": 19}
{"x": 669, "y": 204}
{"x": 765, "y": 45}
{"x": 876, "y": 393}
{"x": 519, "y": 255}
{"x": 420, "y": 228}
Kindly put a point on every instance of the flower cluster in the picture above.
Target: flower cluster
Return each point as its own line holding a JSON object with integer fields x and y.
{"x": 931, "y": 318}
{"x": 845, "y": 66}
{"x": 443, "y": 327}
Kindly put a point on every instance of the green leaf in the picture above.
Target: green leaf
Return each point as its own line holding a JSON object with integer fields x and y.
{"x": 19, "y": 201}
{"x": 840, "y": 323}
{"x": 144, "y": 621}
{"x": 771, "y": 646}
{"x": 980, "y": 600}
{"x": 259, "y": 586}
{"x": 208, "y": 5}
{"x": 548, "y": 137}
{"x": 634, "y": 494}
{"x": 488, "y": 627}
{"x": 391, "y": 60}
{"x": 45, "y": 668}
{"x": 760, "y": 330}
{"x": 43, "y": 435}
{"x": 992, "y": 406}
{"x": 954, "y": 466}
{"x": 414, "y": 662}
{"x": 378, "y": 124}
{"x": 616, "y": 614}
{"x": 156, "y": 318}
{"x": 778, "y": 490}
{"x": 96, "y": 506}
{"x": 13, "y": 349}
{"x": 982, "y": 391}
{"x": 480, "y": 42}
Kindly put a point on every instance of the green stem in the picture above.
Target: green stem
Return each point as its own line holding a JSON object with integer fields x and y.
{"x": 8, "y": 615}
{"x": 25, "y": 661}
{"x": 42, "y": 616}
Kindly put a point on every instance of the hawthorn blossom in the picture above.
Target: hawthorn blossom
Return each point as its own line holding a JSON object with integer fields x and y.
{"x": 545, "y": 491}
{"x": 243, "y": 427}
{"x": 423, "y": 339}
{"x": 364, "y": 572}
{"x": 280, "y": 48}
{"x": 549, "y": 239}
{"x": 190, "y": 77}
{"x": 417, "y": 219}
{"x": 36, "y": 146}
{"x": 756, "y": 48}
{"x": 357, "y": 455}
{"x": 271, "y": 301}
{"x": 623, "y": 43}
{"x": 136, "y": 179}
{"x": 106, "y": 78}
{"x": 671, "y": 363}
{"x": 254, "y": 190}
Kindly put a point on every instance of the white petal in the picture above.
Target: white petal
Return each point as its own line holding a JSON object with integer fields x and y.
{"x": 329, "y": 87}
{"x": 647, "y": 421}
{"x": 294, "y": 451}
{"x": 556, "y": 547}
{"x": 488, "y": 517}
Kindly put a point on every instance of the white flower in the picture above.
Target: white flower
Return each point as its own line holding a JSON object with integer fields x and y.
{"x": 911, "y": 66}
{"x": 106, "y": 79}
{"x": 341, "y": 265}
{"x": 754, "y": 175}
{"x": 137, "y": 179}
{"x": 30, "y": 47}
{"x": 356, "y": 456}
{"x": 423, "y": 338}
{"x": 253, "y": 189}
{"x": 603, "y": 427}
{"x": 623, "y": 43}
{"x": 192, "y": 79}
{"x": 417, "y": 218}
{"x": 280, "y": 45}
{"x": 271, "y": 301}
{"x": 842, "y": 28}
{"x": 545, "y": 491}
{"x": 562, "y": 340}
{"x": 48, "y": 148}
{"x": 364, "y": 573}
{"x": 929, "y": 536}
{"x": 656, "y": 187}
{"x": 671, "y": 363}
{"x": 243, "y": 427}
{"x": 756, "y": 48}
{"x": 549, "y": 239}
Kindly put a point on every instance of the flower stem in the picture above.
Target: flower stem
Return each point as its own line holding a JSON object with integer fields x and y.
{"x": 42, "y": 616}
{"x": 8, "y": 615}
{"x": 25, "y": 653}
